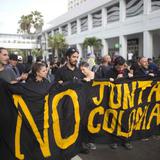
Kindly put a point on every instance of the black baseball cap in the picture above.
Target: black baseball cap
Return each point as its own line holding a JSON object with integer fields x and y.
{"x": 71, "y": 51}
{"x": 13, "y": 57}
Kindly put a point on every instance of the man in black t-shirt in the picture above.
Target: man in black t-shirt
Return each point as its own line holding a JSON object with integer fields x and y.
{"x": 69, "y": 72}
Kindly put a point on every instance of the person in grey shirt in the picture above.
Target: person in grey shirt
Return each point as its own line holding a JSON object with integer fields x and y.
{"x": 4, "y": 73}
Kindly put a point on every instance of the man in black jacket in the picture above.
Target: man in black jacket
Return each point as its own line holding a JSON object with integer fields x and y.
{"x": 119, "y": 70}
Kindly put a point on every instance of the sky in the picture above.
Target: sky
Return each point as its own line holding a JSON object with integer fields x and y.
{"x": 12, "y": 10}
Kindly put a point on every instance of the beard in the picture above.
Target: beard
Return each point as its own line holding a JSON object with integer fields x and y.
{"x": 73, "y": 64}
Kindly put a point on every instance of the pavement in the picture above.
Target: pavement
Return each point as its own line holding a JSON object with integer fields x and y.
{"x": 147, "y": 149}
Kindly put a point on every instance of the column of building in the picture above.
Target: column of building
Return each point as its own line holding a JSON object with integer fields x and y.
{"x": 123, "y": 38}
{"x": 79, "y": 47}
{"x": 147, "y": 35}
{"x": 104, "y": 23}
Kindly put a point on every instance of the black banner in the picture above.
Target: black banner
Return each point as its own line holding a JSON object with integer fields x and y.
{"x": 35, "y": 124}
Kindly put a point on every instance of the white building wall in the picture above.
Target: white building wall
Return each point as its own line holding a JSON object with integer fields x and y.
{"x": 144, "y": 23}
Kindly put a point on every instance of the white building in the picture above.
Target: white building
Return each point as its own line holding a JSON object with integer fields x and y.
{"x": 17, "y": 41}
{"x": 74, "y": 3}
{"x": 123, "y": 26}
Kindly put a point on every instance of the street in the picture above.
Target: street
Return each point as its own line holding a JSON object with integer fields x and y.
{"x": 142, "y": 150}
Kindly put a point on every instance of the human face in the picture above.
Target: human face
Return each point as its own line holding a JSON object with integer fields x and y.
{"x": 144, "y": 62}
{"x": 73, "y": 59}
{"x": 42, "y": 73}
{"x": 84, "y": 70}
{"x": 4, "y": 57}
{"x": 13, "y": 62}
{"x": 107, "y": 59}
{"x": 120, "y": 68}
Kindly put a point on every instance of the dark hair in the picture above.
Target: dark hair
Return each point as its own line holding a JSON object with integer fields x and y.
{"x": 71, "y": 51}
{"x": 119, "y": 60}
{"x": 13, "y": 57}
{"x": 35, "y": 68}
{"x": 84, "y": 64}
{"x": 2, "y": 48}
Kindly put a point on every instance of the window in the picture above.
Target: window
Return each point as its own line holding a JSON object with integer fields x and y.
{"x": 74, "y": 27}
{"x": 155, "y": 5}
{"x": 134, "y": 8}
{"x": 56, "y": 31}
{"x": 84, "y": 24}
{"x": 113, "y": 13}
{"x": 65, "y": 30}
{"x": 97, "y": 19}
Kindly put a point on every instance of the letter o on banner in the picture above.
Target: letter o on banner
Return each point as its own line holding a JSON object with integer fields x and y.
{"x": 61, "y": 142}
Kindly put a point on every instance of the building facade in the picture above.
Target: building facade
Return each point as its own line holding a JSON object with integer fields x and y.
{"x": 123, "y": 26}
{"x": 74, "y": 3}
{"x": 17, "y": 41}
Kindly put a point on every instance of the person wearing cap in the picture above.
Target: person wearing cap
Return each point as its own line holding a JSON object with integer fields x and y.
{"x": 20, "y": 65}
{"x": 70, "y": 71}
{"x": 13, "y": 70}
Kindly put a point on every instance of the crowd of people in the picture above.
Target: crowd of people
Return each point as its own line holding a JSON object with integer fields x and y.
{"x": 14, "y": 70}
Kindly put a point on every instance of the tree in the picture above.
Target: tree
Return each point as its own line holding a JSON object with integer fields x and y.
{"x": 57, "y": 43}
{"x": 37, "y": 52}
{"x": 93, "y": 43}
{"x": 25, "y": 24}
{"x": 33, "y": 21}
{"x": 37, "y": 21}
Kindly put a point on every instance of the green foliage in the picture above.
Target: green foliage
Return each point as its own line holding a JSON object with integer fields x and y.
{"x": 36, "y": 52}
{"x": 34, "y": 20}
{"x": 57, "y": 42}
{"x": 92, "y": 42}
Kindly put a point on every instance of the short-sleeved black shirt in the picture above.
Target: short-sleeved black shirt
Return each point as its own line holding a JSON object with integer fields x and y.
{"x": 65, "y": 74}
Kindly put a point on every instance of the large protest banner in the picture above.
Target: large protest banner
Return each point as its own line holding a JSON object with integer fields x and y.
{"x": 51, "y": 125}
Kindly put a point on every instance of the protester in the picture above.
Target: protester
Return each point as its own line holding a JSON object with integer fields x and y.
{"x": 38, "y": 73}
{"x": 153, "y": 68}
{"x": 5, "y": 73}
{"x": 105, "y": 66}
{"x": 119, "y": 70}
{"x": 70, "y": 71}
{"x": 89, "y": 75}
{"x": 142, "y": 68}
{"x": 13, "y": 70}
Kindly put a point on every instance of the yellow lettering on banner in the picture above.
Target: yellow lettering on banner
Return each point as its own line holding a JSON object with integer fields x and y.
{"x": 155, "y": 89}
{"x": 106, "y": 122}
{"x": 119, "y": 127}
{"x": 128, "y": 97}
{"x": 131, "y": 122}
{"x": 60, "y": 141}
{"x": 155, "y": 113}
{"x": 141, "y": 118}
{"x": 118, "y": 96}
{"x": 17, "y": 138}
{"x": 44, "y": 143}
{"x": 143, "y": 85}
{"x": 99, "y": 110}
{"x": 101, "y": 91}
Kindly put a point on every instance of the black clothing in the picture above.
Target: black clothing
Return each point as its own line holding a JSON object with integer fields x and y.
{"x": 113, "y": 73}
{"x": 65, "y": 74}
{"x": 102, "y": 70}
{"x": 141, "y": 71}
{"x": 21, "y": 68}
